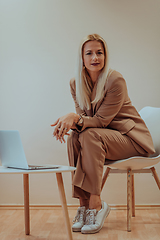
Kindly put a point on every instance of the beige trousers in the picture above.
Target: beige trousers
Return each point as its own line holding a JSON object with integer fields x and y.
{"x": 88, "y": 151}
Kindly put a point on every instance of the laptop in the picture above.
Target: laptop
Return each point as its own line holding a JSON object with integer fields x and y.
{"x": 12, "y": 153}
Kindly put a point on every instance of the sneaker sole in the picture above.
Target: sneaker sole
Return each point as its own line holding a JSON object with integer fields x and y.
{"x": 98, "y": 229}
{"x": 76, "y": 229}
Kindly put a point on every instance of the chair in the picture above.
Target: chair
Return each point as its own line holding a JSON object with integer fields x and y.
{"x": 132, "y": 165}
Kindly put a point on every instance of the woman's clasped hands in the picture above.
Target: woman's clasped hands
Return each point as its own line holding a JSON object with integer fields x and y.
{"x": 63, "y": 125}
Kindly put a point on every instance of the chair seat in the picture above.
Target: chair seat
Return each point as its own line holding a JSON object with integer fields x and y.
{"x": 134, "y": 163}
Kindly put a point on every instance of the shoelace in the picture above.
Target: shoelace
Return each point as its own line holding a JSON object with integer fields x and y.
{"x": 79, "y": 216}
{"x": 90, "y": 216}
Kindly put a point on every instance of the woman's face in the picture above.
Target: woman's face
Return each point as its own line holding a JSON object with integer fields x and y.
{"x": 93, "y": 56}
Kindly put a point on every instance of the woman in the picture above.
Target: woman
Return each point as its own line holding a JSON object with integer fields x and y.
{"x": 106, "y": 126}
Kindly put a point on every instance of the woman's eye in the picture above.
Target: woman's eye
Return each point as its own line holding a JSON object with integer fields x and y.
{"x": 100, "y": 53}
{"x": 88, "y": 53}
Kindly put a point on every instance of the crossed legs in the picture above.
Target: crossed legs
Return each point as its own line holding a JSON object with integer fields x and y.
{"x": 87, "y": 151}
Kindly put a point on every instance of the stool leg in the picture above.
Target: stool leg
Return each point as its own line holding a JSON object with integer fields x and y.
{"x": 129, "y": 200}
{"x": 155, "y": 176}
{"x": 105, "y": 176}
{"x": 26, "y": 203}
{"x": 133, "y": 197}
{"x": 64, "y": 204}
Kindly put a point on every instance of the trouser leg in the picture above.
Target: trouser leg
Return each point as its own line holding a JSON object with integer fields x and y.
{"x": 82, "y": 151}
{"x": 74, "y": 151}
{"x": 73, "y": 147}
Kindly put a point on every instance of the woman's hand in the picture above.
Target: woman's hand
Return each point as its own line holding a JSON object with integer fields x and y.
{"x": 63, "y": 125}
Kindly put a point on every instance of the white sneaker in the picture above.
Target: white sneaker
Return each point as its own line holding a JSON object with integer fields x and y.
{"x": 95, "y": 219}
{"x": 79, "y": 219}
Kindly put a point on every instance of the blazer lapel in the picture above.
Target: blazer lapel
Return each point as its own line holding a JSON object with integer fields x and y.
{"x": 93, "y": 105}
{"x": 89, "y": 112}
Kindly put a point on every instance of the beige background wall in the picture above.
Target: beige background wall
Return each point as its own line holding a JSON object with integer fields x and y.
{"x": 38, "y": 48}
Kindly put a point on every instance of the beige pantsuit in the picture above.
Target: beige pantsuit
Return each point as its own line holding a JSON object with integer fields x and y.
{"x": 112, "y": 130}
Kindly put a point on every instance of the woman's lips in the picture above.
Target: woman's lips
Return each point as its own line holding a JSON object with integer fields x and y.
{"x": 95, "y": 64}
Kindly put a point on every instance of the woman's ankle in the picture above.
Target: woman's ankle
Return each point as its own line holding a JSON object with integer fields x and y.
{"x": 84, "y": 202}
{"x": 95, "y": 202}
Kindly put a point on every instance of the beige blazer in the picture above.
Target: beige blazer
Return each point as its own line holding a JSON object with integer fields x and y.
{"x": 115, "y": 111}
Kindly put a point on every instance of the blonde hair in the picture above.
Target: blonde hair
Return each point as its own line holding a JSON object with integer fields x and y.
{"x": 83, "y": 80}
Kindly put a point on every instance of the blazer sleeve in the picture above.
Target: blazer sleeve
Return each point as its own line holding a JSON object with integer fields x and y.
{"x": 109, "y": 107}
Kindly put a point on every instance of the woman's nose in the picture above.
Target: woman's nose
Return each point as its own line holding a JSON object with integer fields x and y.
{"x": 95, "y": 56}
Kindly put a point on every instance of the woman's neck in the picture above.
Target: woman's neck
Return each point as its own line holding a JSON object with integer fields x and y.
{"x": 94, "y": 76}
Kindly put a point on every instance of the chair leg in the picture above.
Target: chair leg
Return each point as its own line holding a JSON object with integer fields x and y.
{"x": 105, "y": 176}
{"x": 155, "y": 176}
{"x": 129, "y": 199}
{"x": 133, "y": 197}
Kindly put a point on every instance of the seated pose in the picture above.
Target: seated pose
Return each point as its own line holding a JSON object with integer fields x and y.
{"x": 106, "y": 126}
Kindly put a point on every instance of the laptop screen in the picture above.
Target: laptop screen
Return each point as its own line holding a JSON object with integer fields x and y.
{"x": 11, "y": 149}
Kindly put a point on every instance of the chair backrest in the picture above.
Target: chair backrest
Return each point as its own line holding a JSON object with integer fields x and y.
{"x": 151, "y": 117}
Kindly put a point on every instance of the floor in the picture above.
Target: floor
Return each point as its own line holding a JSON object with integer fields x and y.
{"x": 49, "y": 225}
